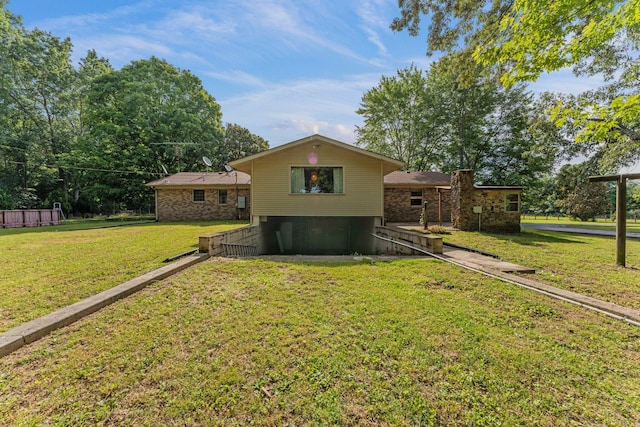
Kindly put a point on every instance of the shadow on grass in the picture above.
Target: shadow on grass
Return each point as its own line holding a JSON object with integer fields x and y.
{"x": 532, "y": 237}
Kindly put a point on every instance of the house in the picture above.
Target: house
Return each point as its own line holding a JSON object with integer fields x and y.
{"x": 406, "y": 193}
{"x": 202, "y": 196}
{"x": 317, "y": 195}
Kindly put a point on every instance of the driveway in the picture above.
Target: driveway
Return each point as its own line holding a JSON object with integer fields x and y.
{"x": 567, "y": 228}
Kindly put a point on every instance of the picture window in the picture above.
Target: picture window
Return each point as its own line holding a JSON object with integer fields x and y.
{"x": 317, "y": 180}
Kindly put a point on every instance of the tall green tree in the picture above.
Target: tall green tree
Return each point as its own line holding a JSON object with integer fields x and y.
{"x": 37, "y": 110}
{"x": 400, "y": 120}
{"x": 433, "y": 120}
{"x": 147, "y": 115}
{"x": 578, "y": 197}
{"x": 523, "y": 39}
{"x": 239, "y": 142}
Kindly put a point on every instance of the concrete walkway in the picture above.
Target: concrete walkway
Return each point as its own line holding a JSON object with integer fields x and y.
{"x": 480, "y": 261}
{"x": 31, "y": 331}
{"x": 567, "y": 228}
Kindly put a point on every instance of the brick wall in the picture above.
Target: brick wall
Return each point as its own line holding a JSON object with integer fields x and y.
{"x": 398, "y": 208}
{"x": 178, "y": 205}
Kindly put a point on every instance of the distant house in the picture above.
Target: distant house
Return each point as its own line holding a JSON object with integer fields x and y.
{"x": 317, "y": 195}
{"x": 202, "y": 196}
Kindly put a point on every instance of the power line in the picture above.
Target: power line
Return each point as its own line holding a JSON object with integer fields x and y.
{"x": 91, "y": 169}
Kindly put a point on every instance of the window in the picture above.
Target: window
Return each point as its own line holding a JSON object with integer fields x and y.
{"x": 222, "y": 197}
{"x": 198, "y": 195}
{"x": 317, "y": 180}
{"x": 416, "y": 198}
{"x": 512, "y": 202}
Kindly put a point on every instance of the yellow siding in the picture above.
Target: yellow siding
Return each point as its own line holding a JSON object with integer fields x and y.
{"x": 363, "y": 184}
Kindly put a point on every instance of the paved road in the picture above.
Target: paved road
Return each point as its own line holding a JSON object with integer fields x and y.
{"x": 570, "y": 229}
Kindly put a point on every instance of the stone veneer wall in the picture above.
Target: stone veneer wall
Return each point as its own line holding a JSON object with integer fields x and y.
{"x": 178, "y": 205}
{"x": 462, "y": 189}
{"x": 494, "y": 217}
{"x": 397, "y": 205}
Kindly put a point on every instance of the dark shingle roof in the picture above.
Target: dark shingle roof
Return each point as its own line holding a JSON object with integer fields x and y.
{"x": 417, "y": 178}
{"x": 186, "y": 179}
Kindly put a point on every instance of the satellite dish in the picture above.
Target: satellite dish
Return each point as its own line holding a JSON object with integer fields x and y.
{"x": 228, "y": 168}
{"x": 207, "y": 161}
{"x": 164, "y": 170}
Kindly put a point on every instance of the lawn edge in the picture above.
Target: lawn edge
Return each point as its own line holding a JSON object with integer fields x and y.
{"x": 33, "y": 330}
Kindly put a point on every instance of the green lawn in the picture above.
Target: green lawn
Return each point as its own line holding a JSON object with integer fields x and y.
{"x": 415, "y": 342}
{"x": 632, "y": 225}
{"x": 45, "y": 268}
{"x": 580, "y": 263}
{"x": 237, "y": 342}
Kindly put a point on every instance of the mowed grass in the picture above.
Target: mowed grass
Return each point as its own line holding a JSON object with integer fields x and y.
{"x": 46, "y": 268}
{"x": 599, "y": 224}
{"x": 265, "y": 342}
{"x": 580, "y": 263}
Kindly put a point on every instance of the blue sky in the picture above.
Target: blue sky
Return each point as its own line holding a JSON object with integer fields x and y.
{"x": 284, "y": 69}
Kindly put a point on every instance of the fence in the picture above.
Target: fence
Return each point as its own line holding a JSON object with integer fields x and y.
{"x": 29, "y": 218}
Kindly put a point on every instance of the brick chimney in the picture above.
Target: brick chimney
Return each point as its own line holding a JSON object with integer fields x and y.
{"x": 462, "y": 191}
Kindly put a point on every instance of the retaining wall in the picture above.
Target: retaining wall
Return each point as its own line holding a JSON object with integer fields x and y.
{"x": 249, "y": 236}
{"x": 428, "y": 242}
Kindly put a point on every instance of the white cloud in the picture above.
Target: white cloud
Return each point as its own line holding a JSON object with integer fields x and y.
{"x": 373, "y": 21}
{"x": 238, "y": 77}
{"x": 285, "y": 112}
{"x": 122, "y": 49}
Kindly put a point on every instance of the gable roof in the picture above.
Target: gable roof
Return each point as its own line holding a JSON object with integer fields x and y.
{"x": 198, "y": 179}
{"x": 418, "y": 179}
{"x": 389, "y": 164}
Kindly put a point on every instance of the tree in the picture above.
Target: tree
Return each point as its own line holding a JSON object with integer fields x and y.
{"x": 239, "y": 142}
{"x": 37, "y": 110}
{"x": 400, "y": 120}
{"x": 576, "y": 195}
{"x": 146, "y": 115}
{"x": 522, "y": 39}
{"x": 434, "y": 121}
{"x": 540, "y": 198}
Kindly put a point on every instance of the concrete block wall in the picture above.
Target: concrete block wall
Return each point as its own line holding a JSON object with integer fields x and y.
{"x": 428, "y": 242}
{"x": 178, "y": 205}
{"x": 397, "y": 205}
{"x": 249, "y": 235}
